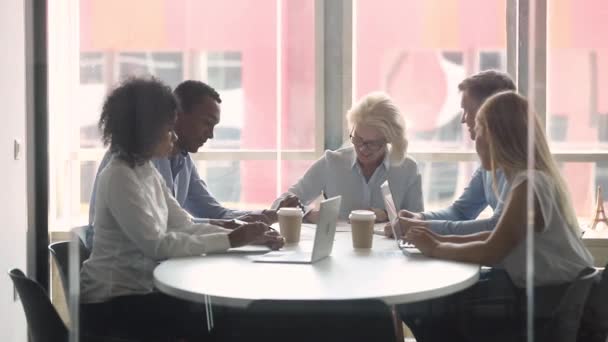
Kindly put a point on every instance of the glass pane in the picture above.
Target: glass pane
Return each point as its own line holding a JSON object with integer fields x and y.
{"x": 420, "y": 59}
{"x": 263, "y": 68}
{"x": 582, "y": 180}
{"x": 292, "y": 171}
{"x": 443, "y": 182}
{"x": 246, "y": 184}
{"x": 577, "y": 59}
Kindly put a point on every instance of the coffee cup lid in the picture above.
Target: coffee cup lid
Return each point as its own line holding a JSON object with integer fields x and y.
{"x": 290, "y": 211}
{"x": 362, "y": 215}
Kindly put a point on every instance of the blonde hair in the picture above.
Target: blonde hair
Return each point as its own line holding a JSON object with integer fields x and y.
{"x": 503, "y": 119}
{"x": 378, "y": 110}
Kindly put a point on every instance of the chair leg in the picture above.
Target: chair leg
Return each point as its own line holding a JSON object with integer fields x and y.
{"x": 397, "y": 324}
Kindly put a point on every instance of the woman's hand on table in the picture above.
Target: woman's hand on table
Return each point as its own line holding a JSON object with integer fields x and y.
{"x": 256, "y": 232}
{"x": 424, "y": 239}
{"x": 272, "y": 239}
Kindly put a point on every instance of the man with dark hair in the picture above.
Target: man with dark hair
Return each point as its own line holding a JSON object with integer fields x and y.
{"x": 460, "y": 217}
{"x": 198, "y": 114}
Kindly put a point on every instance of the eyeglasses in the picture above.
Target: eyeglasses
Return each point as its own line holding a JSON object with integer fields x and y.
{"x": 372, "y": 145}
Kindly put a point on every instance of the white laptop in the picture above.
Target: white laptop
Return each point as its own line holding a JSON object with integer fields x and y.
{"x": 323, "y": 242}
{"x": 391, "y": 210}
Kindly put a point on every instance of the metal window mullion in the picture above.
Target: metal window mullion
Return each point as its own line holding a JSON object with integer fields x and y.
{"x": 37, "y": 121}
{"x": 319, "y": 132}
{"x": 511, "y": 29}
{"x": 533, "y": 58}
{"x": 573, "y": 156}
{"x": 337, "y": 66}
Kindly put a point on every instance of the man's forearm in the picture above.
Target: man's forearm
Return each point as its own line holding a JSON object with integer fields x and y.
{"x": 462, "y": 227}
{"x": 447, "y": 214}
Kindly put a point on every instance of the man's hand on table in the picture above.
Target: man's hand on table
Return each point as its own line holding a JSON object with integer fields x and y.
{"x": 287, "y": 201}
{"x": 405, "y": 224}
{"x": 228, "y": 224}
{"x": 406, "y": 220}
{"x": 265, "y": 216}
{"x": 411, "y": 215}
{"x": 290, "y": 201}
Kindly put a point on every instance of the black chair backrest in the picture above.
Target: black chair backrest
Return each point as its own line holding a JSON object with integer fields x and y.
{"x": 594, "y": 323}
{"x": 82, "y": 232}
{"x": 61, "y": 252}
{"x": 43, "y": 321}
{"x": 566, "y": 318}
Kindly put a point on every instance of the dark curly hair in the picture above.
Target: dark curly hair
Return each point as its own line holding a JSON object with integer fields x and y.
{"x": 191, "y": 92}
{"x": 133, "y": 118}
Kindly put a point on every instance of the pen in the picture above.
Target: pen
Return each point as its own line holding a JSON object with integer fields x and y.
{"x": 324, "y": 195}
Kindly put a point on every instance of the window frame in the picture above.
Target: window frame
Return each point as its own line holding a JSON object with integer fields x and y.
{"x": 335, "y": 82}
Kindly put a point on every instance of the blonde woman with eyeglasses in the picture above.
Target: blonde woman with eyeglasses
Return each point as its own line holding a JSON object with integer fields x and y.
{"x": 377, "y": 153}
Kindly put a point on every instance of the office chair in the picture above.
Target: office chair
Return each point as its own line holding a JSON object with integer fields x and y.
{"x": 594, "y": 323}
{"x": 555, "y": 322}
{"x": 43, "y": 321}
{"x": 564, "y": 322}
{"x": 60, "y": 251}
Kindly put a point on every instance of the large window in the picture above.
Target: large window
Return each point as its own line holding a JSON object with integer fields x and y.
{"x": 267, "y": 70}
{"x": 263, "y": 68}
{"x": 419, "y": 60}
{"x": 287, "y": 70}
{"x": 577, "y": 89}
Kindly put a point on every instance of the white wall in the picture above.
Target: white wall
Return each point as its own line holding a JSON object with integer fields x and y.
{"x": 13, "y": 204}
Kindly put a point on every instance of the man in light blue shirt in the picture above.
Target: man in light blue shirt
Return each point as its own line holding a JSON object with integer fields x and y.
{"x": 460, "y": 218}
{"x": 199, "y": 113}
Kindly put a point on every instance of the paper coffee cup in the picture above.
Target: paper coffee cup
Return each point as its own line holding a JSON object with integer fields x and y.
{"x": 362, "y": 224}
{"x": 290, "y": 224}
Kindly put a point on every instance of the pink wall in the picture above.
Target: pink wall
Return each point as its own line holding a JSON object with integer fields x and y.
{"x": 415, "y": 31}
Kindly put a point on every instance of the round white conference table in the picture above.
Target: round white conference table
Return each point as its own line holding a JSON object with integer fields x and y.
{"x": 382, "y": 272}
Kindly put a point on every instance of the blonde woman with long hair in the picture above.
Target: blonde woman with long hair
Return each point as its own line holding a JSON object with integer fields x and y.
{"x": 378, "y": 153}
{"x": 502, "y": 144}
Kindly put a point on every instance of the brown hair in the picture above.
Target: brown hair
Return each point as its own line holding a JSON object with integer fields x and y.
{"x": 486, "y": 83}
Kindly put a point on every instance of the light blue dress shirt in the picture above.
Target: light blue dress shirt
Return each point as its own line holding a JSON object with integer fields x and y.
{"x": 182, "y": 179}
{"x": 460, "y": 217}
{"x": 338, "y": 173}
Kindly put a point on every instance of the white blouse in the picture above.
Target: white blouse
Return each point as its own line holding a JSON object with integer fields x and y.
{"x": 338, "y": 173}
{"x": 138, "y": 223}
{"x": 559, "y": 252}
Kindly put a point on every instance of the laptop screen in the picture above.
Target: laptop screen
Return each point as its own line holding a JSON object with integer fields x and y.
{"x": 391, "y": 209}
